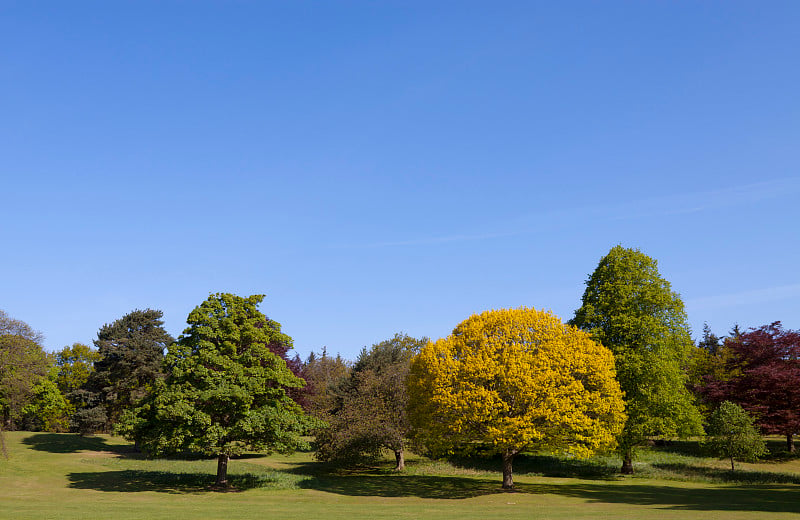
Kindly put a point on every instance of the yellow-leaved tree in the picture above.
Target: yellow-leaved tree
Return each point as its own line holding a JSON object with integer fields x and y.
{"x": 511, "y": 380}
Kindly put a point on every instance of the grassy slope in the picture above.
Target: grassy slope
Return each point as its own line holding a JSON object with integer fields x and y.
{"x": 65, "y": 476}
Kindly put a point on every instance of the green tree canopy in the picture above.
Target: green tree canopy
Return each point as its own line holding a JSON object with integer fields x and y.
{"x": 632, "y": 310}
{"x": 733, "y": 434}
{"x": 226, "y": 392}
{"x": 75, "y": 364}
{"x": 23, "y": 363}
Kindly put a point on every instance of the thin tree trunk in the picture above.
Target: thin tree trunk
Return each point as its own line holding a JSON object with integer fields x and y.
{"x": 732, "y": 468}
{"x": 790, "y": 442}
{"x": 222, "y": 470}
{"x": 508, "y": 478}
{"x": 627, "y": 462}
{"x": 400, "y": 459}
{"x": 3, "y": 449}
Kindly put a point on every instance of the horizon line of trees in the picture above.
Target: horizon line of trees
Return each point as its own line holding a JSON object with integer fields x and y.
{"x": 622, "y": 371}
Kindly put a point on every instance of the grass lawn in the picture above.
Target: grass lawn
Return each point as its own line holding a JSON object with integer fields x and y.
{"x": 65, "y": 476}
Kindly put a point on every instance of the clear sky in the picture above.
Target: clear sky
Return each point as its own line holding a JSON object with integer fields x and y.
{"x": 375, "y": 167}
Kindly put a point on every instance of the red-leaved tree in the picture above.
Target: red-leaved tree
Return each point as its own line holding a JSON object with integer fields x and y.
{"x": 763, "y": 376}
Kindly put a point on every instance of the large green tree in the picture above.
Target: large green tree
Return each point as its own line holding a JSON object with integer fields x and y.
{"x": 226, "y": 391}
{"x": 632, "y": 310}
{"x": 369, "y": 411}
{"x": 23, "y": 363}
{"x": 131, "y": 351}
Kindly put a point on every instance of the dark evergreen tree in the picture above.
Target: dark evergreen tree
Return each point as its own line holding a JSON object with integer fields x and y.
{"x": 131, "y": 361}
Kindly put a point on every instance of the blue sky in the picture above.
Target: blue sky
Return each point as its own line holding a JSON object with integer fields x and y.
{"x": 375, "y": 167}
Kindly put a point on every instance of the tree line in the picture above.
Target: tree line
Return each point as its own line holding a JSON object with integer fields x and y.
{"x": 623, "y": 371}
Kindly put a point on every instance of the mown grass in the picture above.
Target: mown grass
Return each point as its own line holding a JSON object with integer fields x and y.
{"x": 68, "y": 476}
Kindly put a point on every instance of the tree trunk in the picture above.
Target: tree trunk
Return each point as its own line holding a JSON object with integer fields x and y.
{"x": 222, "y": 470}
{"x": 790, "y": 442}
{"x": 508, "y": 478}
{"x": 732, "y": 468}
{"x": 400, "y": 459}
{"x": 627, "y": 462}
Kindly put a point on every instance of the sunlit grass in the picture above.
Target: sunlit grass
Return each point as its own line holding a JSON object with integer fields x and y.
{"x": 68, "y": 476}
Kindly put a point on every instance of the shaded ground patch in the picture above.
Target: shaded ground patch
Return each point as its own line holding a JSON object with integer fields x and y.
{"x": 73, "y": 443}
{"x": 778, "y": 499}
{"x": 543, "y": 465}
{"x": 134, "y": 480}
{"x": 705, "y": 473}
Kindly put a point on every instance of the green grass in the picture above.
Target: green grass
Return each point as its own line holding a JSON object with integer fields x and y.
{"x": 67, "y": 476}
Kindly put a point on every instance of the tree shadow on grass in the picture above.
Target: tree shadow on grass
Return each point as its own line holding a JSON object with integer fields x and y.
{"x": 777, "y": 499}
{"x": 544, "y": 465}
{"x": 701, "y": 473}
{"x": 767, "y": 498}
{"x": 376, "y": 482}
{"x": 164, "y": 481}
{"x": 777, "y": 450}
{"x": 73, "y": 443}
{"x": 685, "y": 448}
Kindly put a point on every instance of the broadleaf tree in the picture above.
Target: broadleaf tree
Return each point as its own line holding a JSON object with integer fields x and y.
{"x": 23, "y": 363}
{"x": 369, "y": 413}
{"x": 628, "y": 307}
{"x": 226, "y": 391}
{"x": 733, "y": 435}
{"x": 511, "y": 380}
{"x": 762, "y": 374}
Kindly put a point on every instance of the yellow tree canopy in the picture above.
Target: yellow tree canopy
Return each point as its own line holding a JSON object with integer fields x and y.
{"x": 513, "y": 380}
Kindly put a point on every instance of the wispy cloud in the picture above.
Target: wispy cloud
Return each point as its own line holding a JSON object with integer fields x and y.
{"x": 445, "y": 239}
{"x": 653, "y": 207}
{"x": 751, "y": 297}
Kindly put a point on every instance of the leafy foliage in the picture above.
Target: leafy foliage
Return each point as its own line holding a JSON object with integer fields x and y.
{"x": 763, "y": 376}
{"x": 75, "y": 364}
{"x": 48, "y": 410}
{"x": 733, "y": 435}
{"x": 370, "y": 409}
{"x": 632, "y": 310}
{"x": 23, "y": 363}
{"x": 226, "y": 391}
{"x": 511, "y": 380}
{"x": 324, "y": 377}
{"x": 131, "y": 360}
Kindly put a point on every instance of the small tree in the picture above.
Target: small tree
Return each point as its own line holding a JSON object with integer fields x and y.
{"x": 512, "y": 380}
{"x": 226, "y": 391}
{"x": 370, "y": 410}
{"x": 733, "y": 434}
